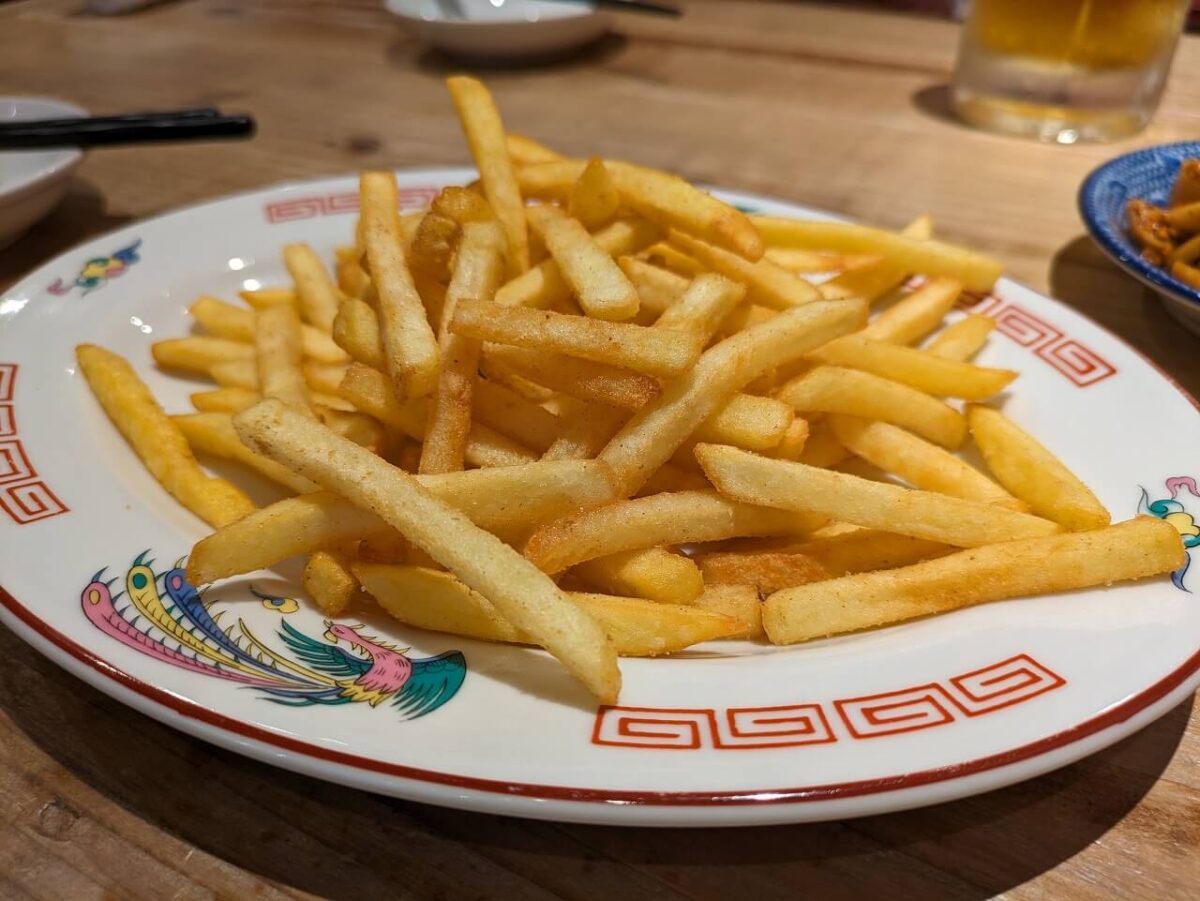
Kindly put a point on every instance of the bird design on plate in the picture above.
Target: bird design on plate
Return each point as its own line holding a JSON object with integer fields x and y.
{"x": 1173, "y": 510}
{"x": 97, "y": 272}
{"x": 161, "y": 615}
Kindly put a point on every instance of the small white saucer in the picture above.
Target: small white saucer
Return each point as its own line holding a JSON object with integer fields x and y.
{"x": 33, "y": 181}
{"x": 501, "y": 29}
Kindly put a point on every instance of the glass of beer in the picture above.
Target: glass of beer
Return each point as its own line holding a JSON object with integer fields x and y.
{"x": 1065, "y": 70}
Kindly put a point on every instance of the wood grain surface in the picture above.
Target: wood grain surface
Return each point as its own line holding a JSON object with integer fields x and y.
{"x": 842, "y": 109}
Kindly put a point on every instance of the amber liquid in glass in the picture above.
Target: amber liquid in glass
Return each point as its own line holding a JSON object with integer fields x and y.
{"x": 1065, "y": 70}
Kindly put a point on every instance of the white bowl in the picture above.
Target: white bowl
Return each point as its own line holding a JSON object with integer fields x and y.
{"x": 501, "y": 29}
{"x": 33, "y": 181}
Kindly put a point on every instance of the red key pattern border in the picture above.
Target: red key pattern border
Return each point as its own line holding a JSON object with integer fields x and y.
{"x": 297, "y": 208}
{"x": 24, "y": 497}
{"x": 972, "y": 694}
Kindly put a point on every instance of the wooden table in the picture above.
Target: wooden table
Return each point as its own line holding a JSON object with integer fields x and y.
{"x": 839, "y": 109}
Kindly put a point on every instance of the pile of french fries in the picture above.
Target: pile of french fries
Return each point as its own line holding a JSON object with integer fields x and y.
{"x": 584, "y": 405}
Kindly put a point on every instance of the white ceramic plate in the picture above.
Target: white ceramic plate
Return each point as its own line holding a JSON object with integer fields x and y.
{"x": 731, "y": 733}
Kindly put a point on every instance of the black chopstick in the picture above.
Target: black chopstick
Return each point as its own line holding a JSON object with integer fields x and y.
{"x": 641, "y": 6}
{"x": 131, "y": 128}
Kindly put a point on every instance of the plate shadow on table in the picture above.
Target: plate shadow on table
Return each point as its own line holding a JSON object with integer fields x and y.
{"x": 407, "y": 52}
{"x": 337, "y": 842}
{"x": 1082, "y": 277}
{"x": 81, "y": 215}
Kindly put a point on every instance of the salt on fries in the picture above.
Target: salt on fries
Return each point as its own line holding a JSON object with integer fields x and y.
{"x": 585, "y": 405}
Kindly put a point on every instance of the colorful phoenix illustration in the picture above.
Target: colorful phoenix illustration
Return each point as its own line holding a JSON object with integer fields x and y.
{"x": 1173, "y": 511}
{"x": 97, "y": 272}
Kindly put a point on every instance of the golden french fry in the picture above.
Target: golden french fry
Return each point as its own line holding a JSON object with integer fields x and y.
{"x": 650, "y": 351}
{"x": 1131, "y": 550}
{"x": 814, "y": 261}
{"x": 738, "y": 601}
{"x": 583, "y": 379}
{"x": 586, "y": 431}
{"x": 432, "y": 248}
{"x": 661, "y": 519}
{"x": 702, "y": 308}
{"x": 265, "y": 297}
{"x": 793, "y": 442}
{"x": 963, "y": 339}
{"x": 225, "y": 400}
{"x": 673, "y": 260}
{"x": 977, "y": 272}
{"x": 787, "y": 485}
{"x": 523, "y": 150}
{"x": 873, "y": 281}
{"x": 356, "y": 331}
{"x": 662, "y": 426}
{"x": 658, "y": 288}
{"x": 521, "y": 593}
{"x": 544, "y": 285}
{"x": 429, "y": 599}
{"x": 316, "y": 294}
{"x": 235, "y": 374}
{"x": 485, "y": 135}
{"x": 594, "y": 199}
{"x": 918, "y": 462}
{"x": 157, "y": 441}
{"x": 755, "y": 423}
{"x": 410, "y": 348}
{"x": 671, "y": 478}
{"x": 764, "y": 571}
{"x": 212, "y": 433}
{"x": 654, "y": 573}
{"x": 506, "y": 500}
{"x": 661, "y": 197}
{"x": 821, "y": 447}
{"x": 916, "y": 315}
{"x": 915, "y": 368}
{"x": 508, "y": 413}
{"x": 328, "y": 580}
{"x": 1026, "y": 468}
{"x": 767, "y": 284}
{"x": 371, "y": 392}
{"x": 592, "y": 275}
{"x": 199, "y": 354}
{"x": 278, "y": 357}
{"x": 478, "y": 267}
{"x": 224, "y": 320}
{"x": 363, "y": 430}
{"x": 863, "y": 550}
{"x": 832, "y": 389}
{"x": 323, "y": 378}
{"x": 352, "y": 279}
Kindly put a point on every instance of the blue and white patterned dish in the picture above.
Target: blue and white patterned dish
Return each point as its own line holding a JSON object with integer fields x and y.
{"x": 1148, "y": 174}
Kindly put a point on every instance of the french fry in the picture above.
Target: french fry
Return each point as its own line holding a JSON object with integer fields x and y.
{"x": 431, "y": 249}
{"x": 662, "y": 426}
{"x": 934, "y": 258}
{"x": 322, "y": 379}
{"x": 363, "y": 430}
{"x": 963, "y": 339}
{"x": 1025, "y": 467}
{"x": 755, "y": 423}
{"x": 767, "y": 284}
{"x": 429, "y": 599}
{"x": 654, "y": 573}
{"x": 658, "y": 520}
{"x": 235, "y": 374}
{"x": 878, "y": 279}
{"x": 833, "y": 389}
{"x": 225, "y": 400}
{"x": 661, "y": 197}
{"x": 478, "y": 267}
{"x": 507, "y": 501}
{"x": 916, "y": 315}
{"x": 583, "y": 379}
{"x": 586, "y": 431}
{"x": 410, "y": 349}
{"x": 352, "y": 279}
{"x": 265, "y": 297}
{"x": 674, "y": 478}
{"x": 592, "y": 275}
{"x": 371, "y": 392}
{"x": 328, "y": 580}
{"x": 594, "y": 199}
{"x": 786, "y": 485}
{"x": 224, "y": 320}
{"x": 199, "y": 354}
{"x": 485, "y": 135}
{"x": 918, "y": 462}
{"x": 523, "y": 150}
{"x": 657, "y": 288}
{"x": 702, "y": 308}
{"x": 1135, "y": 549}
{"x": 508, "y": 413}
{"x": 863, "y": 550}
{"x": 650, "y": 351}
{"x": 793, "y": 442}
{"x": 817, "y": 261}
{"x": 316, "y": 294}
{"x": 738, "y": 601}
{"x": 915, "y": 368}
{"x": 278, "y": 357}
{"x": 544, "y": 286}
{"x": 157, "y": 441}
{"x": 765, "y": 571}
{"x": 821, "y": 447}
{"x": 521, "y": 593}
{"x": 356, "y": 330}
{"x": 673, "y": 260}
{"x": 212, "y": 433}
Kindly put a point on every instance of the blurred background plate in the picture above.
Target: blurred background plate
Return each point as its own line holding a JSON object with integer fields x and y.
{"x": 33, "y": 181}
